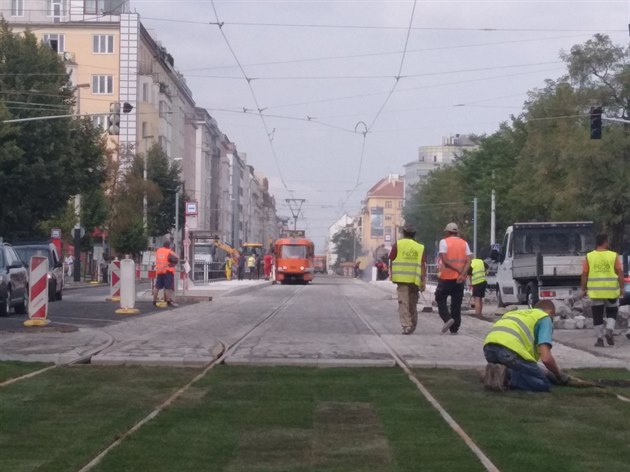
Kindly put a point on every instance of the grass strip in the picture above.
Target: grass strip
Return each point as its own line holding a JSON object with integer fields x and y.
{"x": 59, "y": 420}
{"x": 13, "y": 369}
{"x": 570, "y": 429}
{"x": 290, "y": 419}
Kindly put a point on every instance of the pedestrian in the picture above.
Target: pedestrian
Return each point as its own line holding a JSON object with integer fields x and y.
{"x": 477, "y": 273}
{"x": 228, "y": 267}
{"x": 259, "y": 262}
{"x": 408, "y": 264}
{"x": 165, "y": 261}
{"x": 454, "y": 260}
{"x": 104, "y": 267}
{"x": 513, "y": 347}
{"x": 267, "y": 262}
{"x": 602, "y": 282}
{"x": 241, "y": 266}
{"x": 68, "y": 262}
{"x": 251, "y": 266}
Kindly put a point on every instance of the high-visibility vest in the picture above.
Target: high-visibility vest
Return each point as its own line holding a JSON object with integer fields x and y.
{"x": 251, "y": 261}
{"x": 456, "y": 254}
{"x": 161, "y": 261}
{"x": 602, "y": 280}
{"x": 407, "y": 266}
{"x": 515, "y": 330}
{"x": 478, "y": 272}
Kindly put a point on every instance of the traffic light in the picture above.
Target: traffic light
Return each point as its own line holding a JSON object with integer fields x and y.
{"x": 113, "y": 119}
{"x": 596, "y": 122}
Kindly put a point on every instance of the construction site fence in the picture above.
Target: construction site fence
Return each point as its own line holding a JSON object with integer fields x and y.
{"x": 208, "y": 271}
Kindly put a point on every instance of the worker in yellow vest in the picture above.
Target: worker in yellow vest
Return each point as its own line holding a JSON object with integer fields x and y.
{"x": 409, "y": 273}
{"x": 602, "y": 282}
{"x": 513, "y": 347}
{"x": 477, "y": 273}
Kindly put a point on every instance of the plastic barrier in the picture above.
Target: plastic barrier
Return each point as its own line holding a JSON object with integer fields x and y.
{"x": 114, "y": 270}
{"x": 127, "y": 288}
{"x": 38, "y": 292}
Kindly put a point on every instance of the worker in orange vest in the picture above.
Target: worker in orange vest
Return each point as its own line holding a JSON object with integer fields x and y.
{"x": 454, "y": 260}
{"x": 165, "y": 261}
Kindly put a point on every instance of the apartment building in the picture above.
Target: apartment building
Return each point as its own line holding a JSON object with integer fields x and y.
{"x": 382, "y": 214}
{"x": 434, "y": 157}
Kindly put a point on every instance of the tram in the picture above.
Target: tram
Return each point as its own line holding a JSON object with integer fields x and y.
{"x": 294, "y": 260}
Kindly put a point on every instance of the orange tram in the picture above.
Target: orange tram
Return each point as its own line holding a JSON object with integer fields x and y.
{"x": 294, "y": 260}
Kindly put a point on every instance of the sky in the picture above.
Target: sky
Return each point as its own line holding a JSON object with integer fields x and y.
{"x": 325, "y": 72}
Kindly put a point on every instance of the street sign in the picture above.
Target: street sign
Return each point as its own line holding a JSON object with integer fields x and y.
{"x": 191, "y": 208}
{"x": 55, "y": 233}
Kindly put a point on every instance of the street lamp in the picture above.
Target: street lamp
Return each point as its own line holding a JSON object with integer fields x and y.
{"x": 176, "y": 212}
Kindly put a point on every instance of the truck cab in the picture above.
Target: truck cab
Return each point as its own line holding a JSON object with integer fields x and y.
{"x": 542, "y": 260}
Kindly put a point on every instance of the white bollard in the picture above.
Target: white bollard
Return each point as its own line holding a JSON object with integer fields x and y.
{"x": 127, "y": 288}
{"x": 38, "y": 292}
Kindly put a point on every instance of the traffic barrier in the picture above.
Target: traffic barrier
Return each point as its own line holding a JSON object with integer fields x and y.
{"x": 114, "y": 279}
{"x": 38, "y": 292}
{"x": 127, "y": 288}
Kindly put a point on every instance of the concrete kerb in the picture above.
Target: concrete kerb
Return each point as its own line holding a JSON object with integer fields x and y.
{"x": 322, "y": 363}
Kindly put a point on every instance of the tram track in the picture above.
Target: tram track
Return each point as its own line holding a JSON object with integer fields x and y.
{"x": 406, "y": 368}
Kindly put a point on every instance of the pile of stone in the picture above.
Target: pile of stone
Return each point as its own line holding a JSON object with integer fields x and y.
{"x": 578, "y": 314}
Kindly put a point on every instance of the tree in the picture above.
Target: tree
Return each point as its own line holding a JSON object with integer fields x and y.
{"x": 164, "y": 184}
{"x": 347, "y": 245}
{"x": 53, "y": 159}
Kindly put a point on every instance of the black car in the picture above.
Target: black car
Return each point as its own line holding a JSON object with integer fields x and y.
{"x": 55, "y": 266}
{"x": 13, "y": 282}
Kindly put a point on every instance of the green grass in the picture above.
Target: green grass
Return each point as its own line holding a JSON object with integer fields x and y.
{"x": 569, "y": 430}
{"x": 10, "y": 370}
{"x": 289, "y": 419}
{"x": 304, "y": 420}
{"x": 59, "y": 420}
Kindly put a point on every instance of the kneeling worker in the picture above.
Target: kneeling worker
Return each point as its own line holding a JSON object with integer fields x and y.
{"x": 514, "y": 345}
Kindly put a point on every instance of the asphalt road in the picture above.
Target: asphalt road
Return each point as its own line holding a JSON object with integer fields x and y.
{"x": 83, "y": 307}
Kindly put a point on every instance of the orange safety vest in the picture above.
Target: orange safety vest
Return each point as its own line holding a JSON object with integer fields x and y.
{"x": 161, "y": 261}
{"x": 456, "y": 254}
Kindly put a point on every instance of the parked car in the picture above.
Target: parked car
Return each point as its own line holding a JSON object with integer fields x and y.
{"x": 13, "y": 282}
{"x": 55, "y": 265}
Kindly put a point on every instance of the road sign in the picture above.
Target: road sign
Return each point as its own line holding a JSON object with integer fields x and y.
{"x": 38, "y": 292}
{"x": 191, "y": 208}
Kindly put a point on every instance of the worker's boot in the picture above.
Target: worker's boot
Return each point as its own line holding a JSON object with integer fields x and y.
{"x": 610, "y": 334}
{"x": 599, "y": 342}
{"x": 599, "y": 333}
{"x": 495, "y": 377}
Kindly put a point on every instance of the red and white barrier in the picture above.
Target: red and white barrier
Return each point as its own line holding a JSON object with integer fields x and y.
{"x": 114, "y": 269}
{"x": 38, "y": 292}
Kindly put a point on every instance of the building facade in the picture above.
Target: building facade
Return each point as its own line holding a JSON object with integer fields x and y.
{"x": 434, "y": 157}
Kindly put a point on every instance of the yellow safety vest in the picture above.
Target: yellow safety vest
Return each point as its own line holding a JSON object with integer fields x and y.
{"x": 515, "y": 330}
{"x": 602, "y": 280}
{"x": 407, "y": 267}
{"x": 478, "y": 271}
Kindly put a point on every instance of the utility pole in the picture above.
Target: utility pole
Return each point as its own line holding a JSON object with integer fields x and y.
{"x": 475, "y": 226}
{"x": 295, "y": 209}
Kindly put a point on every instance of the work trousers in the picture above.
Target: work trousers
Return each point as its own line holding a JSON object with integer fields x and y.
{"x": 445, "y": 289}
{"x": 408, "y": 304}
{"x": 599, "y": 305}
{"x": 522, "y": 374}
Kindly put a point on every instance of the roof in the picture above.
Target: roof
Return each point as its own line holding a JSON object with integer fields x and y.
{"x": 390, "y": 186}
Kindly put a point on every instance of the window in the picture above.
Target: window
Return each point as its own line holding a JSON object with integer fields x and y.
{"x": 17, "y": 7}
{"x": 57, "y": 8}
{"x": 388, "y": 204}
{"x": 388, "y": 230}
{"x": 98, "y": 7}
{"x": 434, "y": 158}
{"x": 400, "y": 204}
{"x": 145, "y": 92}
{"x": 145, "y": 128}
{"x": 388, "y": 217}
{"x": 56, "y": 42}
{"x": 103, "y": 84}
{"x": 100, "y": 121}
{"x": 103, "y": 44}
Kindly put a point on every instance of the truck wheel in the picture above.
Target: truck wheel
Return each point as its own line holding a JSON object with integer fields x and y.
{"x": 52, "y": 290}
{"x": 531, "y": 296}
{"x": 500, "y": 303}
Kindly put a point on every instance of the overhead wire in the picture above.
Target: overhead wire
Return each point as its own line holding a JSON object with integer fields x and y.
{"x": 253, "y": 93}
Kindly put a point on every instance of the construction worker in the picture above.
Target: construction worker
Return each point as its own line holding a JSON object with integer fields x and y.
{"x": 454, "y": 260}
{"x": 602, "y": 282}
{"x": 514, "y": 345}
{"x": 251, "y": 266}
{"x": 409, "y": 273}
{"x": 165, "y": 261}
{"x": 228, "y": 267}
{"x": 477, "y": 272}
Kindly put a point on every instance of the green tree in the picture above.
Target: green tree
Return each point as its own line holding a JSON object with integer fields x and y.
{"x": 347, "y": 245}
{"x": 54, "y": 159}
{"x": 164, "y": 183}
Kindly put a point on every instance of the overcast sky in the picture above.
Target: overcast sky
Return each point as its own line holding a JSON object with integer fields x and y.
{"x": 468, "y": 66}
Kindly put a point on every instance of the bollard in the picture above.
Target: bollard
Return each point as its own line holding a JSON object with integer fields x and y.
{"x": 114, "y": 279}
{"x": 38, "y": 292}
{"x": 127, "y": 288}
